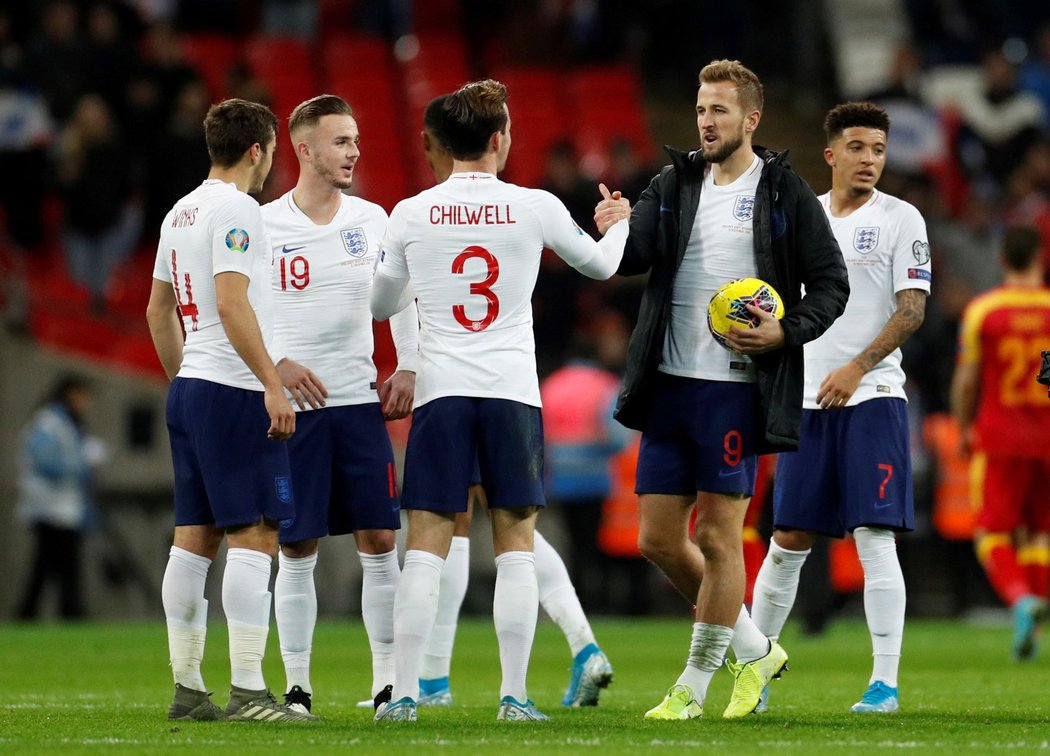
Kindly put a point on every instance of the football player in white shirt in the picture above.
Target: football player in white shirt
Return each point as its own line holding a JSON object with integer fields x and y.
{"x": 227, "y": 413}
{"x": 591, "y": 670}
{"x": 325, "y": 245}
{"x": 471, "y": 248}
{"x": 852, "y": 471}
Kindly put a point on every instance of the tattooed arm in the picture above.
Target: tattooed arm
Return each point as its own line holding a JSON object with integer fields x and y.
{"x": 839, "y": 384}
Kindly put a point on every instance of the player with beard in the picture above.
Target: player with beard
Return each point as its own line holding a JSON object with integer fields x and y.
{"x": 725, "y": 211}
{"x": 325, "y": 245}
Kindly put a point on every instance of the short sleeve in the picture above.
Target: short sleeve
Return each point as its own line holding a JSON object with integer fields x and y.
{"x": 911, "y": 254}
{"x": 162, "y": 265}
{"x": 237, "y": 235}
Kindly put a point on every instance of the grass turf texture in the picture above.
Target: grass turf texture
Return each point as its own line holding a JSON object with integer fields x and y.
{"x": 87, "y": 688}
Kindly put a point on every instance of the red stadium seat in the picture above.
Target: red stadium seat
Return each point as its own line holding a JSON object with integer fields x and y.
{"x": 212, "y": 55}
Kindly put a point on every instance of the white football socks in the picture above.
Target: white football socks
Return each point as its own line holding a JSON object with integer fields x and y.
{"x": 706, "y": 652}
{"x": 246, "y": 602}
{"x": 884, "y": 599}
{"x": 295, "y": 606}
{"x": 378, "y": 588}
{"x": 415, "y": 608}
{"x": 558, "y": 596}
{"x": 515, "y": 605}
{"x": 437, "y": 660}
{"x": 186, "y": 610}
{"x": 748, "y": 641}
{"x": 775, "y": 588}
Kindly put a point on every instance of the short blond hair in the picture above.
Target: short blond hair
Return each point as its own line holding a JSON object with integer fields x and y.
{"x": 748, "y": 87}
{"x": 311, "y": 111}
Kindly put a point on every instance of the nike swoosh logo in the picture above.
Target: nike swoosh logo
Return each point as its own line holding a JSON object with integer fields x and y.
{"x": 286, "y": 249}
{"x": 884, "y": 504}
{"x": 727, "y": 473}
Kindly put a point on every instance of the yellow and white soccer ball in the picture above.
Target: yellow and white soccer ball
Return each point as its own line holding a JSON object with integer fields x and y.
{"x": 728, "y": 306}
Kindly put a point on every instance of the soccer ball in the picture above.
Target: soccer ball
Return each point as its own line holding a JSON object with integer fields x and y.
{"x": 728, "y": 306}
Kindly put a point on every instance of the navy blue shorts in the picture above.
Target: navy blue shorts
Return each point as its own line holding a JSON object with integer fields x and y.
{"x": 699, "y": 436}
{"x": 852, "y": 468}
{"x": 344, "y": 475}
{"x": 447, "y": 433}
{"x": 227, "y": 472}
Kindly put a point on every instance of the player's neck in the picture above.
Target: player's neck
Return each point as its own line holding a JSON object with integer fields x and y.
{"x": 733, "y": 167}
{"x": 845, "y": 200}
{"x": 239, "y": 175}
{"x": 1023, "y": 278}
{"x": 485, "y": 164}
{"x": 319, "y": 203}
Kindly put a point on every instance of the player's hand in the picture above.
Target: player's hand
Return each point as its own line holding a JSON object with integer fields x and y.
{"x": 282, "y": 416}
{"x": 839, "y": 385}
{"x": 765, "y": 337}
{"x": 613, "y": 208}
{"x": 302, "y": 384}
{"x": 397, "y": 394}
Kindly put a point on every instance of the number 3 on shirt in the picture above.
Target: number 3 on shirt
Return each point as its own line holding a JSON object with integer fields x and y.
{"x": 482, "y": 288}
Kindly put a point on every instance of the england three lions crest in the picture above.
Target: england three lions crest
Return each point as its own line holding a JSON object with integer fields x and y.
{"x": 744, "y": 208}
{"x": 866, "y": 239}
{"x": 355, "y": 241}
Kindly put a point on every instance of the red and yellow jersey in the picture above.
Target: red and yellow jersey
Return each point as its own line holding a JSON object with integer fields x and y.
{"x": 1004, "y": 331}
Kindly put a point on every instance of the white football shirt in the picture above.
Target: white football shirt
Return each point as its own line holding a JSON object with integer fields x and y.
{"x": 886, "y": 250}
{"x": 471, "y": 248}
{"x": 214, "y": 229}
{"x": 720, "y": 249}
{"x": 322, "y": 275}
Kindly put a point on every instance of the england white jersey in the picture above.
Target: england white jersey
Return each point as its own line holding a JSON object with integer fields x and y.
{"x": 321, "y": 277}
{"x": 720, "y": 249}
{"x": 471, "y": 248}
{"x": 215, "y": 229}
{"x": 886, "y": 250}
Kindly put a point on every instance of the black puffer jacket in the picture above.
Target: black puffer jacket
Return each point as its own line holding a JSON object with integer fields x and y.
{"x": 794, "y": 246}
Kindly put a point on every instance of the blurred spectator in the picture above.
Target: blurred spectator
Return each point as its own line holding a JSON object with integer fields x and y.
{"x": 629, "y": 175}
{"x": 555, "y": 299}
{"x": 1028, "y": 193}
{"x": 25, "y": 134}
{"x": 1035, "y": 74}
{"x": 290, "y": 17}
{"x": 563, "y": 179}
{"x": 102, "y": 216}
{"x": 580, "y": 437}
{"x": 181, "y": 154}
{"x": 917, "y": 140}
{"x": 165, "y": 63}
{"x": 998, "y": 119}
{"x": 56, "y": 462}
{"x": 111, "y": 55}
{"x": 57, "y": 58}
{"x": 966, "y": 248}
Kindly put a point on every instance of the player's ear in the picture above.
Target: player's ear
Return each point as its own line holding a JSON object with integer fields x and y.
{"x": 829, "y": 156}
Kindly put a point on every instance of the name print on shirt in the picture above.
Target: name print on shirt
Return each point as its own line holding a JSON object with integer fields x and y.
{"x": 466, "y": 215}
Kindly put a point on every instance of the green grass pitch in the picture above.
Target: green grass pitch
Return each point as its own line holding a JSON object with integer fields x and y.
{"x": 98, "y": 687}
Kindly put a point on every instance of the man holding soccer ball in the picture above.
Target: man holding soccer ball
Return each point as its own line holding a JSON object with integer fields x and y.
{"x": 723, "y": 212}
